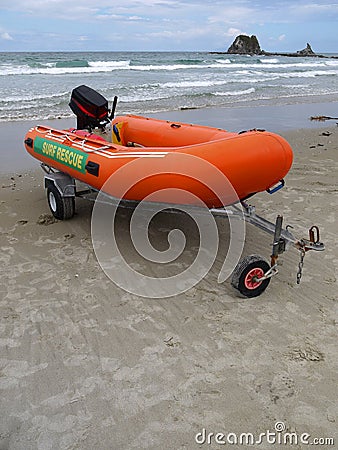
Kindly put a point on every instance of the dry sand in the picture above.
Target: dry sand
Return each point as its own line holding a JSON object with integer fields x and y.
{"x": 85, "y": 365}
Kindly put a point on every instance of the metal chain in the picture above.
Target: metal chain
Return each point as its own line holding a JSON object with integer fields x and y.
{"x": 300, "y": 265}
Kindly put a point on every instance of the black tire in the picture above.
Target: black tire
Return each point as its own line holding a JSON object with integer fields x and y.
{"x": 62, "y": 208}
{"x": 243, "y": 277}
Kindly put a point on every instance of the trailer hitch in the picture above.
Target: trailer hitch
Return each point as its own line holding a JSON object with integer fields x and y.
{"x": 305, "y": 245}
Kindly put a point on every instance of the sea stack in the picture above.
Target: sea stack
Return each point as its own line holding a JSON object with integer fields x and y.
{"x": 245, "y": 45}
{"x": 307, "y": 51}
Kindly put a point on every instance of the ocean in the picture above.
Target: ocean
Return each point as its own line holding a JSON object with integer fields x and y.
{"x": 37, "y": 86}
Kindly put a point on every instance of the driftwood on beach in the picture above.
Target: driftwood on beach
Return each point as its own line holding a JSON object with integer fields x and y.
{"x": 323, "y": 118}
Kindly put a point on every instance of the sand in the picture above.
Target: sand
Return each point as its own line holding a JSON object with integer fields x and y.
{"x": 86, "y": 365}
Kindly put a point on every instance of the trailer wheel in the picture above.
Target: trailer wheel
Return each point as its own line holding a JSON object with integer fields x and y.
{"x": 245, "y": 275}
{"x": 62, "y": 208}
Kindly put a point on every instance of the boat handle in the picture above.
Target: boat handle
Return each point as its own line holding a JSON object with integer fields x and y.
{"x": 116, "y": 132}
{"x": 276, "y": 188}
{"x": 92, "y": 168}
{"x": 175, "y": 125}
{"x": 29, "y": 142}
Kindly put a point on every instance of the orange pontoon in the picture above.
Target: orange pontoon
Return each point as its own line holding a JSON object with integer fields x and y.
{"x": 252, "y": 161}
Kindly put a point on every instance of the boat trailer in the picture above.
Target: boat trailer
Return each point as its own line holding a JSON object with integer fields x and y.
{"x": 252, "y": 274}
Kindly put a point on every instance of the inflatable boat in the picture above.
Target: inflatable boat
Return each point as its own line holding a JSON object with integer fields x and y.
{"x": 251, "y": 161}
{"x": 170, "y": 163}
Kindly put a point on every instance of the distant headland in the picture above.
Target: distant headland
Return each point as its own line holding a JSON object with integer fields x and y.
{"x": 249, "y": 45}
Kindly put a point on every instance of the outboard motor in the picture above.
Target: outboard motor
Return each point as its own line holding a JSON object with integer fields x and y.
{"x": 90, "y": 108}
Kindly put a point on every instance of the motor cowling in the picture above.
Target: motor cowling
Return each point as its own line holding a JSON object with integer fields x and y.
{"x": 90, "y": 108}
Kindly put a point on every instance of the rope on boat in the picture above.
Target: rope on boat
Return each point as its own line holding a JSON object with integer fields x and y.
{"x": 77, "y": 141}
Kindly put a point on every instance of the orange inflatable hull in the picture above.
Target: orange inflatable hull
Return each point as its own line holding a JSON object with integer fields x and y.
{"x": 167, "y": 162}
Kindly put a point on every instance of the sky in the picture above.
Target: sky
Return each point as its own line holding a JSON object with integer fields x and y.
{"x": 166, "y": 25}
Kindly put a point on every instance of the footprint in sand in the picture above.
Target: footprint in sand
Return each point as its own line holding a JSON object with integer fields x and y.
{"x": 46, "y": 219}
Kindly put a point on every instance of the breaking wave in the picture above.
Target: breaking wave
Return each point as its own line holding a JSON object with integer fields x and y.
{"x": 40, "y": 84}
{"x": 235, "y": 93}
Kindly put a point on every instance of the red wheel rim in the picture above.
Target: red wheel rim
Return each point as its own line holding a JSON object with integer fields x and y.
{"x": 249, "y": 280}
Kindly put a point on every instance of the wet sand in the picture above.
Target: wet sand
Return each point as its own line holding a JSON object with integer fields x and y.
{"x": 85, "y": 365}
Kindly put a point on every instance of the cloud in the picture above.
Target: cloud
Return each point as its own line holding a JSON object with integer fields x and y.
{"x": 232, "y": 32}
{"x": 228, "y": 11}
{"x": 232, "y": 14}
{"x": 135, "y": 18}
{"x": 60, "y": 9}
{"x": 5, "y": 36}
{"x": 311, "y": 8}
{"x": 169, "y": 24}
